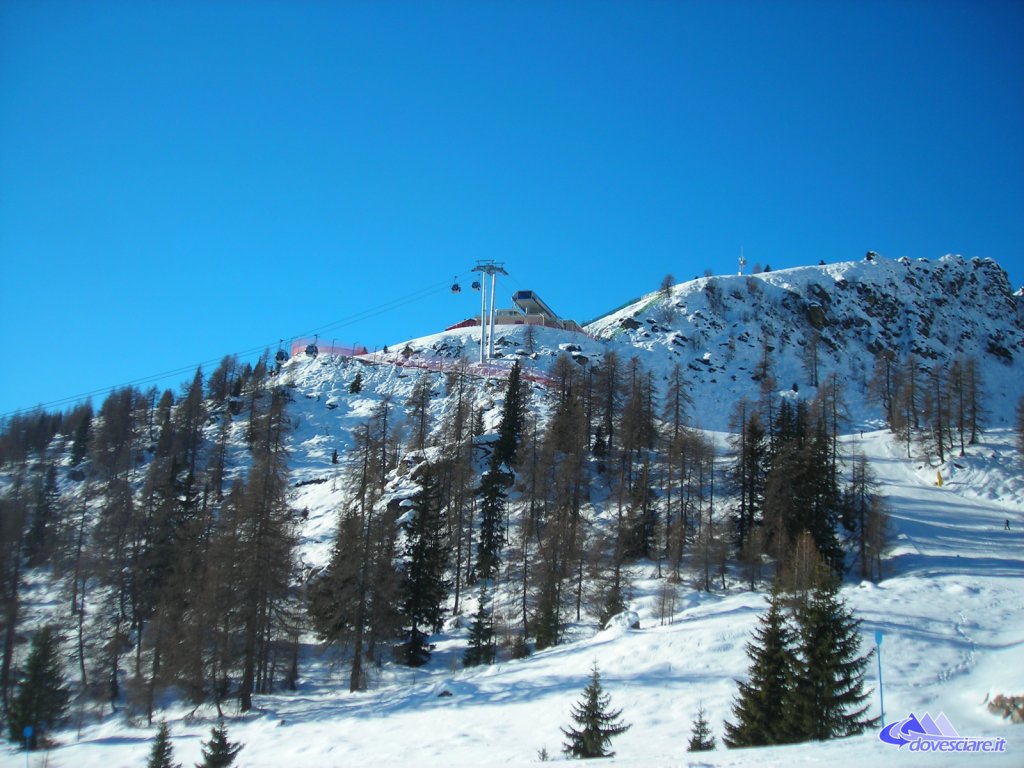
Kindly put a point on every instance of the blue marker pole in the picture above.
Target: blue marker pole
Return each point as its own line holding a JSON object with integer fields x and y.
{"x": 27, "y": 733}
{"x": 881, "y": 691}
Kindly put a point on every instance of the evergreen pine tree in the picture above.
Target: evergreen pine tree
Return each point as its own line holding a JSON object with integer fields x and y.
{"x": 498, "y": 476}
{"x": 161, "y": 754}
{"x": 701, "y": 738}
{"x": 80, "y": 441}
{"x": 513, "y": 417}
{"x": 598, "y": 724}
{"x": 481, "y": 634}
{"x": 40, "y": 539}
{"x": 614, "y": 603}
{"x": 356, "y": 385}
{"x": 42, "y": 698}
{"x": 219, "y": 751}
{"x": 547, "y": 623}
{"x": 264, "y": 557}
{"x": 492, "y": 523}
{"x": 801, "y": 489}
{"x": 426, "y": 551}
{"x": 826, "y": 696}
{"x": 1020, "y": 424}
{"x": 749, "y": 472}
{"x": 758, "y": 709}
{"x": 419, "y": 412}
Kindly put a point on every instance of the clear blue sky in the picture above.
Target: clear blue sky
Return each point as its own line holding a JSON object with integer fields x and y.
{"x": 183, "y": 180}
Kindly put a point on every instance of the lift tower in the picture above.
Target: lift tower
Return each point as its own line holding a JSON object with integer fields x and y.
{"x": 492, "y": 268}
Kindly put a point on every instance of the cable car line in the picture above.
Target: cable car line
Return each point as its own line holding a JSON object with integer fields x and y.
{"x": 356, "y": 317}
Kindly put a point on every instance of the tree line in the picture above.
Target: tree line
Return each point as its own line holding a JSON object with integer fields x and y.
{"x": 173, "y": 557}
{"x": 533, "y": 526}
{"x": 935, "y": 409}
{"x": 176, "y": 550}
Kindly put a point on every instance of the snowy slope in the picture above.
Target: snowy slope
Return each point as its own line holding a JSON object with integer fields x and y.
{"x": 952, "y": 613}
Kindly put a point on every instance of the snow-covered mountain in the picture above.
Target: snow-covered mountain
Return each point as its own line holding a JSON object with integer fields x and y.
{"x": 719, "y": 328}
{"x": 807, "y": 322}
{"x": 950, "y": 609}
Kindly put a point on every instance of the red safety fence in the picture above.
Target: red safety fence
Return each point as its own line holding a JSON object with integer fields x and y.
{"x": 299, "y": 347}
{"x": 493, "y": 369}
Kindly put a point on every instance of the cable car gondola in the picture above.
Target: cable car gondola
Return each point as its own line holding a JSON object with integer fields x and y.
{"x": 456, "y": 288}
{"x": 311, "y": 349}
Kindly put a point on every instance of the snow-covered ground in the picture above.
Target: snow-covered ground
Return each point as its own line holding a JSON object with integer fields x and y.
{"x": 951, "y": 611}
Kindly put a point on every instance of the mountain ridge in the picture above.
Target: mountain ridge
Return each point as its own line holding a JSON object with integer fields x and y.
{"x": 721, "y": 327}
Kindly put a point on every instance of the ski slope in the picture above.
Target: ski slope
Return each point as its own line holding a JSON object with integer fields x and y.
{"x": 951, "y": 610}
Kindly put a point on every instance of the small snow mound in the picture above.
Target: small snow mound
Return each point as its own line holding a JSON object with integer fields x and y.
{"x": 623, "y": 621}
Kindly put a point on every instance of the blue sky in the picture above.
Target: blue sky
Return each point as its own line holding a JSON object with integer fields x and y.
{"x": 183, "y": 180}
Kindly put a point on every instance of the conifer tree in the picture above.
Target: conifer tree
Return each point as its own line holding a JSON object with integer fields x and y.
{"x": 976, "y": 412}
{"x": 219, "y": 751}
{"x": 42, "y": 698}
{"x": 356, "y": 385}
{"x": 883, "y": 385}
{"x": 598, "y": 724}
{"x": 1020, "y": 425}
{"x": 40, "y": 539}
{"x": 265, "y": 557}
{"x": 935, "y": 413}
{"x": 701, "y": 738}
{"x": 220, "y": 382}
{"x": 613, "y": 602}
{"x": 866, "y": 517}
{"x": 801, "y": 491}
{"x": 907, "y": 395}
{"x": 161, "y": 754}
{"x": 492, "y": 523}
{"x": 608, "y": 394}
{"x": 82, "y": 433}
{"x": 12, "y": 533}
{"x": 758, "y": 709}
{"x": 426, "y": 551}
{"x": 353, "y": 602}
{"x": 547, "y": 623}
{"x": 750, "y": 469}
{"x": 419, "y": 412}
{"x": 826, "y": 696}
{"x": 665, "y": 289}
{"x": 499, "y": 476}
{"x": 513, "y": 418}
{"x": 481, "y": 634}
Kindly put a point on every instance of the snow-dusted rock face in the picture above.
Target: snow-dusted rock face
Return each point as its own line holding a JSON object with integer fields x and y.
{"x": 807, "y": 324}
{"x": 721, "y": 329}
